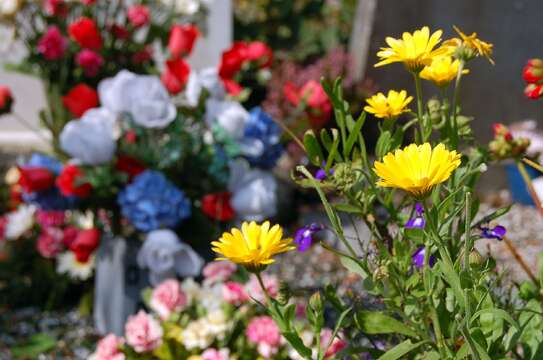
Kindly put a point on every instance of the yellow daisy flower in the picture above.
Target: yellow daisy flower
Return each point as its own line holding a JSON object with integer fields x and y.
{"x": 253, "y": 246}
{"x": 392, "y": 105}
{"x": 414, "y": 50}
{"x": 417, "y": 168}
{"x": 471, "y": 42}
{"x": 442, "y": 70}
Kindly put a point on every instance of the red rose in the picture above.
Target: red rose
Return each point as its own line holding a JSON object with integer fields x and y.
{"x": 80, "y": 99}
{"x": 34, "y": 179}
{"x": 182, "y": 39}
{"x": 138, "y": 15}
{"x": 69, "y": 182}
{"x": 259, "y": 52}
{"x": 90, "y": 61}
{"x": 142, "y": 56}
{"x": 68, "y": 236}
{"x": 84, "y": 244}
{"x": 175, "y": 75}
{"x": 6, "y": 100}
{"x": 119, "y": 32}
{"x": 85, "y": 32}
{"x": 55, "y": 8}
{"x": 318, "y": 106}
{"x": 52, "y": 45}
{"x": 232, "y": 60}
{"x": 129, "y": 165}
{"x": 217, "y": 206}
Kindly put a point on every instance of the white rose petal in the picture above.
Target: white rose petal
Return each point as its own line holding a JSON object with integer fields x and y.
{"x": 19, "y": 222}
{"x": 230, "y": 115}
{"x": 204, "y": 79}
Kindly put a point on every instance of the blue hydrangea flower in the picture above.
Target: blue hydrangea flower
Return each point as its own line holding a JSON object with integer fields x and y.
{"x": 44, "y": 161}
{"x": 152, "y": 202}
{"x": 261, "y": 144}
{"x": 50, "y": 199}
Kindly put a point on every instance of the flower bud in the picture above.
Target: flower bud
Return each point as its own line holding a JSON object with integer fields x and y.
{"x": 315, "y": 302}
{"x": 380, "y": 273}
{"x": 284, "y": 293}
{"x": 6, "y": 100}
{"x": 533, "y": 71}
{"x": 533, "y": 91}
{"x": 476, "y": 259}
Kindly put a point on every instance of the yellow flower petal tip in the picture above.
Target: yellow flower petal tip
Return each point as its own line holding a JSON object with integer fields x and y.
{"x": 417, "y": 168}
{"x": 476, "y": 45}
{"x": 414, "y": 50}
{"x": 252, "y": 246}
{"x": 442, "y": 70}
{"x": 390, "y": 106}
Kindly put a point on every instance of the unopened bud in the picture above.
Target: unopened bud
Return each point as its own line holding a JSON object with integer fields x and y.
{"x": 476, "y": 259}
{"x": 315, "y": 302}
{"x": 380, "y": 273}
{"x": 533, "y": 91}
{"x": 284, "y": 293}
{"x": 533, "y": 71}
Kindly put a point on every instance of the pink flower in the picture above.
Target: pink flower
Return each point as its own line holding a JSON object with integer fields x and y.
{"x": 90, "y": 61}
{"x": 55, "y": 8}
{"x": 52, "y": 45}
{"x": 214, "y": 354}
{"x": 234, "y": 293}
{"x": 255, "y": 291}
{"x": 319, "y": 107}
{"x": 47, "y": 218}
{"x": 167, "y": 298}
{"x": 69, "y": 235}
{"x": 50, "y": 242}
{"x": 218, "y": 271}
{"x": 143, "y": 332}
{"x": 108, "y": 348}
{"x": 263, "y": 332}
{"x": 138, "y": 15}
{"x": 336, "y": 346}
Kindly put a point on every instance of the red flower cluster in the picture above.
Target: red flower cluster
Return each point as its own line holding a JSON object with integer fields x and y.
{"x": 241, "y": 54}
{"x": 533, "y": 75}
{"x": 505, "y": 146}
{"x": 180, "y": 44}
{"x": 80, "y": 99}
{"x": 217, "y": 206}
{"x": 6, "y": 100}
{"x": 33, "y": 179}
{"x": 313, "y": 97}
{"x": 85, "y": 33}
{"x": 70, "y": 183}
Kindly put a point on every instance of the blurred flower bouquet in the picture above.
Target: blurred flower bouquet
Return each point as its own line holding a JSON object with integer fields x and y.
{"x": 213, "y": 321}
{"x": 435, "y": 296}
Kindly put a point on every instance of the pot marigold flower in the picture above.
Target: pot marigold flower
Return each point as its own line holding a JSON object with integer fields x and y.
{"x": 417, "y": 168}
{"x": 414, "y": 50}
{"x": 254, "y": 246}
{"x": 442, "y": 70}
{"x": 392, "y": 105}
{"x": 471, "y": 44}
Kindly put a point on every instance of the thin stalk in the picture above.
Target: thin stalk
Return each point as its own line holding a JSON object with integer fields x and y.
{"x": 454, "y": 124}
{"x": 418, "y": 89}
{"x": 30, "y": 127}
{"x": 528, "y": 181}
{"x": 533, "y": 164}
{"x": 467, "y": 232}
{"x": 520, "y": 260}
{"x": 264, "y": 290}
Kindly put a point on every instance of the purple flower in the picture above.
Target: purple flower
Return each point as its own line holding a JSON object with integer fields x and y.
{"x": 418, "y": 221}
{"x": 321, "y": 173}
{"x": 497, "y": 232}
{"x": 304, "y": 236}
{"x": 418, "y": 258}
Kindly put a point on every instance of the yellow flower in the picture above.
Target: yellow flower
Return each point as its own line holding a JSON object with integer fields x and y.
{"x": 388, "y": 106}
{"x": 476, "y": 46}
{"x": 253, "y": 246}
{"x": 414, "y": 50}
{"x": 417, "y": 168}
{"x": 442, "y": 70}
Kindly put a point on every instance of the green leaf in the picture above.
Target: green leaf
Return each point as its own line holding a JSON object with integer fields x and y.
{"x": 297, "y": 343}
{"x": 494, "y": 215}
{"x": 348, "y": 208}
{"x": 35, "y": 346}
{"x": 353, "y": 266}
{"x": 383, "y": 144}
{"x": 401, "y": 349}
{"x": 353, "y": 135}
{"x": 451, "y": 277}
{"x": 498, "y": 313}
{"x": 313, "y": 148}
{"x": 376, "y": 322}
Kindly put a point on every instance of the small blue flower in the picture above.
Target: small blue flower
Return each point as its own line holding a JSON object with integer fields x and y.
{"x": 304, "y": 236}
{"x": 152, "y": 202}
{"x": 50, "y": 199}
{"x": 44, "y": 161}
{"x": 321, "y": 173}
{"x": 261, "y": 143}
{"x": 418, "y": 258}
{"x": 418, "y": 221}
{"x": 497, "y": 232}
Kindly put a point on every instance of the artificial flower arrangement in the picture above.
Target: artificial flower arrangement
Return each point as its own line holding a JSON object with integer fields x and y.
{"x": 435, "y": 296}
{"x": 73, "y": 45}
{"x": 215, "y": 320}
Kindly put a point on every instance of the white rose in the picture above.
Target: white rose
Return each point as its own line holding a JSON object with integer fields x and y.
{"x": 230, "y": 115}
{"x": 254, "y": 191}
{"x": 196, "y": 335}
{"x": 90, "y": 139}
{"x": 204, "y": 79}
{"x": 9, "y": 7}
{"x": 142, "y": 96}
{"x": 19, "y": 222}
{"x": 165, "y": 256}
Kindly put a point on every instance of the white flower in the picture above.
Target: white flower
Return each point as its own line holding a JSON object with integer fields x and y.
{"x": 192, "y": 289}
{"x": 9, "y": 7}
{"x": 218, "y": 323}
{"x": 19, "y": 221}
{"x": 211, "y": 297}
{"x": 185, "y": 7}
{"x": 90, "y": 139}
{"x": 165, "y": 256}
{"x": 254, "y": 191}
{"x": 142, "y": 96}
{"x": 230, "y": 115}
{"x": 208, "y": 79}
{"x": 197, "y": 335}
{"x": 68, "y": 264}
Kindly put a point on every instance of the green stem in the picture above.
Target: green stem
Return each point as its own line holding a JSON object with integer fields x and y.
{"x": 530, "y": 186}
{"x": 418, "y": 89}
{"x": 454, "y": 124}
{"x": 467, "y": 232}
